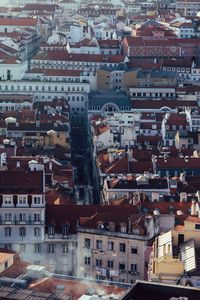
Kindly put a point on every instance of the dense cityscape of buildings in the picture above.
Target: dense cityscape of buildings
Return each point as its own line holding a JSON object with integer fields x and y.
{"x": 99, "y": 149}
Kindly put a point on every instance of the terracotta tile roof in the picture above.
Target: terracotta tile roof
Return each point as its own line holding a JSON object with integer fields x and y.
{"x": 178, "y": 162}
{"x": 109, "y": 44}
{"x": 19, "y": 182}
{"x": 142, "y": 155}
{"x": 193, "y": 220}
{"x": 62, "y": 55}
{"x": 57, "y": 72}
{"x": 153, "y": 140}
{"x": 101, "y": 128}
{"x": 75, "y": 288}
{"x": 116, "y": 218}
{"x": 18, "y": 21}
{"x": 132, "y": 184}
{"x": 59, "y": 214}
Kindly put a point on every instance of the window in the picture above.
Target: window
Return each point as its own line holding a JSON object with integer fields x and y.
{"x": 122, "y": 247}
{"x": 197, "y": 226}
{"x": 87, "y": 243}
{"x": 36, "y": 217}
{"x": 110, "y": 264}
{"x": 98, "y": 262}
{"x": 51, "y": 230}
{"x": 36, "y": 200}
{"x": 122, "y": 266}
{"x": 110, "y": 246}
{"x": 134, "y": 267}
{"x": 22, "y": 248}
{"x": 134, "y": 250}
{"x": 22, "y": 200}
{"x": 37, "y": 231}
{"x": 37, "y": 248}
{"x": 98, "y": 244}
{"x": 7, "y": 200}
{"x": 87, "y": 260}
{"x": 65, "y": 229}
{"x": 8, "y": 217}
{"x": 22, "y": 231}
{"x": 123, "y": 229}
{"x": 65, "y": 248}
{"x": 51, "y": 248}
{"x": 8, "y": 231}
{"x": 22, "y": 217}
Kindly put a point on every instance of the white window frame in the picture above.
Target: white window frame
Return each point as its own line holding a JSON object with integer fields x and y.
{"x": 7, "y": 204}
{"x": 25, "y": 200}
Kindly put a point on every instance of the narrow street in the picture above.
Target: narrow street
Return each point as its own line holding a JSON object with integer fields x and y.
{"x": 82, "y": 161}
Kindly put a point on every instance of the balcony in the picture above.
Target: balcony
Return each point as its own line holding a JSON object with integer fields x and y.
{"x": 134, "y": 273}
{"x": 17, "y": 222}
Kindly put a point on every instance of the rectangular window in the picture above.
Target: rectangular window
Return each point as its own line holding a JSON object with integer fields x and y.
{"x": 122, "y": 247}
{"x": 110, "y": 246}
{"x": 7, "y": 200}
{"x": 36, "y": 217}
{"x": 134, "y": 267}
{"x": 51, "y": 248}
{"x": 37, "y": 231}
{"x": 22, "y": 217}
{"x": 37, "y": 248}
{"x": 87, "y": 243}
{"x": 110, "y": 264}
{"x": 37, "y": 200}
{"x": 98, "y": 262}
{"x": 197, "y": 226}
{"x": 22, "y": 231}
{"x": 87, "y": 260}
{"x": 22, "y": 248}
{"x": 8, "y": 217}
{"x": 65, "y": 248}
{"x": 22, "y": 200}
{"x": 122, "y": 266}
{"x": 98, "y": 244}
{"x": 134, "y": 250}
{"x": 8, "y": 231}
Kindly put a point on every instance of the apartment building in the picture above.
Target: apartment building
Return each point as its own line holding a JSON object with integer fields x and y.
{"x": 112, "y": 246}
{"x": 22, "y": 216}
{"x": 176, "y": 253}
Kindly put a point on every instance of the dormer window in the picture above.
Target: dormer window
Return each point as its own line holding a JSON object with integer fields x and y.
{"x": 136, "y": 231}
{"x": 7, "y": 200}
{"x": 100, "y": 225}
{"x": 22, "y": 200}
{"x": 123, "y": 227}
{"x": 111, "y": 226}
{"x": 51, "y": 230}
{"x": 37, "y": 200}
{"x": 65, "y": 229}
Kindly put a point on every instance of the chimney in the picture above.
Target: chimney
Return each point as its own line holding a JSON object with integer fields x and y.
{"x": 50, "y": 166}
{"x": 18, "y": 164}
{"x": 129, "y": 225}
{"x": 193, "y": 208}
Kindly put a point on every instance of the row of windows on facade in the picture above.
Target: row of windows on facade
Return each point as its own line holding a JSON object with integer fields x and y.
{"x": 43, "y": 88}
{"x": 74, "y": 63}
{"x": 110, "y": 246}
{"x": 178, "y": 69}
{"x": 110, "y": 264}
{"x": 22, "y": 231}
{"x": 153, "y": 94}
{"x": 110, "y": 108}
{"x": 22, "y": 200}
{"x": 111, "y": 226}
{"x": 13, "y": 107}
{"x": 21, "y": 217}
{"x": 37, "y": 248}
